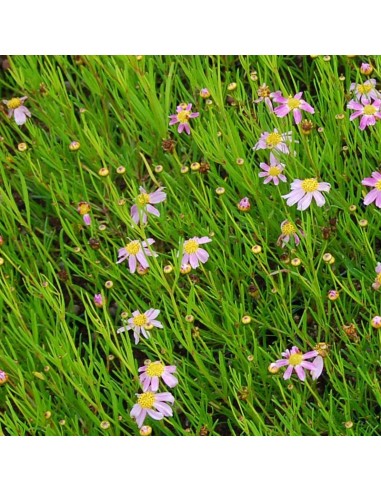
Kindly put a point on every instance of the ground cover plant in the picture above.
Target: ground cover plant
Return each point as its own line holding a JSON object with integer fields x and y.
{"x": 189, "y": 245}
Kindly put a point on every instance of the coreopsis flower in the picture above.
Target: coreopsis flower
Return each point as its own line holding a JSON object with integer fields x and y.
{"x": 368, "y": 110}
{"x": 84, "y": 209}
{"x": 183, "y": 115}
{"x": 375, "y": 194}
{"x": 142, "y": 323}
{"x": 244, "y": 205}
{"x": 136, "y": 251}
{"x": 377, "y": 283}
{"x": 289, "y": 230}
{"x": 265, "y": 95}
{"x": 272, "y": 172}
{"x": 98, "y": 300}
{"x": 153, "y": 371}
{"x": 296, "y": 361}
{"x": 366, "y": 91}
{"x": 295, "y": 104}
{"x": 144, "y": 203}
{"x": 366, "y": 68}
{"x": 302, "y": 192}
{"x": 274, "y": 141}
{"x": 17, "y": 109}
{"x": 152, "y": 404}
{"x": 192, "y": 253}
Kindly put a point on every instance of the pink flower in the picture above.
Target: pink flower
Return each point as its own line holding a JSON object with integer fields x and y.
{"x": 274, "y": 140}
{"x": 376, "y": 322}
{"x": 295, "y": 104}
{"x": 244, "y": 205}
{"x": 368, "y": 110}
{"x": 366, "y": 68}
{"x": 136, "y": 251}
{"x": 152, "y": 404}
{"x": 377, "y": 283}
{"x": 17, "y": 109}
{"x": 183, "y": 115}
{"x": 365, "y": 91}
{"x": 204, "y": 93}
{"x": 289, "y": 230}
{"x": 153, "y": 371}
{"x": 375, "y": 194}
{"x": 98, "y": 300}
{"x": 302, "y": 192}
{"x": 265, "y": 95}
{"x": 142, "y": 322}
{"x": 144, "y": 204}
{"x": 192, "y": 253}
{"x": 296, "y": 360}
{"x": 272, "y": 171}
{"x": 84, "y": 209}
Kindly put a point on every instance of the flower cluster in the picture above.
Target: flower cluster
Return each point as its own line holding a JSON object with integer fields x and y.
{"x": 367, "y": 100}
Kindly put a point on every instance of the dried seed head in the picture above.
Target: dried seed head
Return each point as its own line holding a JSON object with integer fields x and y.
{"x": 204, "y": 168}
{"x": 204, "y": 431}
{"x": 306, "y": 127}
{"x": 254, "y": 291}
{"x": 322, "y": 348}
{"x": 168, "y": 145}
{"x": 243, "y": 393}
{"x": 94, "y": 243}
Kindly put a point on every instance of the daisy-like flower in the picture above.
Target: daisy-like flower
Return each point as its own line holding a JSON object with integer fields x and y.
{"x": 84, "y": 209}
{"x": 144, "y": 203}
{"x": 142, "y": 323}
{"x": 364, "y": 92}
{"x": 192, "y": 253}
{"x": 368, "y": 110}
{"x": 295, "y": 104}
{"x": 152, "y": 404}
{"x": 375, "y": 194}
{"x": 296, "y": 360}
{"x": 377, "y": 282}
{"x": 183, "y": 115}
{"x": 136, "y": 251}
{"x": 302, "y": 192}
{"x": 265, "y": 95}
{"x": 272, "y": 172}
{"x": 17, "y": 109}
{"x": 153, "y": 371}
{"x": 274, "y": 141}
{"x": 289, "y": 230}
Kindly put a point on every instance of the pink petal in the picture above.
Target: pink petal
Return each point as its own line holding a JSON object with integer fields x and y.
{"x": 281, "y": 362}
{"x": 371, "y": 196}
{"x": 282, "y": 147}
{"x": 202, "y": 255}
{"x": 319, "y": 198}
{"x": 263, "y": 174}
{"x": 166, "y": 396}
{"x": 169, "y": 379}
{"x": 297, "y": 116}
{"x": 132, "y": 263}
{"x": 300, "y": 372}
{"x": 309, "y": 355}
{"x": 355, "y": 115}
{"x": 282, "y": 111}
{"x": 142, "y": 259}
{"x": 193, "y": 260}
{"x": 264, "y": 166}
{"x": 141, "y": 417}
{"x": 152, "y": 210}
{"x": 378, "y": 200}
{"x": 288, "y": 372}
{"x": 134, "y": 214}
{"x": 319, "y": 364}
{"x": 20, "y": 116}
{"x": 152, "y": 313}
{"x": 306, "y": 107}
{"x": 203, "y": 240}
{"x": 305, "y": 202}
{"x": 136, "y": 410}
{"x": 157, "y": 196}
{"x": 273, "y": 160}
{"x": 282, "y": 177}
{"x": 324, "y": 187}
{"x": 268, "y": 179}
{"x": 294, "y": 197}
{"x": 307, "y": 365}
{"x": 355, "y": 105}
{"x": 154, "y": 383}
{"x": 163, "y": 408}
{"x": 276, "y": 180}
{"x": 154, "y": 414}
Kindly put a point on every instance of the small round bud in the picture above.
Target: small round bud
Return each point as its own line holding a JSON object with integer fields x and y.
{"x": 189, "y": 318}
{"x": 1, "y": 261}
{"x": 246, "y": 320}
{"x": 327, "y": 257}
{"x": 352, "y": 209}
{"x": 348, "y": 425}
{"x": 168, "y": 269}
{"x": 306, "y": 127}
{"x": 204, "y": 93}
{"x": 320, "y": 129}
{"x": 124, "y": 315}
{"x": 22, "y": 146}
{"x": 74, "y": 145}
{"x": 195, "y": 166}
{"x": 333, "y": 295}
{"x": 139, "y": 57}
{"x": 273, "y": 368}
{"x": 326, "y": 58}
{"x": 141, "y": 270}
{"x": 103, "y": 171}
{"x": 342, "y": 77}
{"x": 244, "y": 205}
{"x": 121, "y": 170}
{"x": 47, "y": 414}
{"x": 256, "y": 249}
{"x": 102, "y": 227}
{"x": 366, "y": 68}
{"x": 62, "y": 422}
{"x": 145, "y": 430}
{"x": 209, "y": 102}
{"x": 220, "y": 190}
{"x": 363, "y": 222}
{"x": 240, "y": 161}
{"x": 184, "y": 169}
{"x": 296, "y": 262}
{"x": 3, "y": 377}
{"x": 185, "y": 269}
{"x": 121, "y": 201}
{"x": 105, "y": 424}
{"x": 376, "y": 322}
{"x": 253, "y": 76}
{"x": 159, "y": 169}
{"x": 77, "y": 249}
{"x": 109, "y": 284}
{"x": 250, "y": 358}
{"x": 232, "y": 86}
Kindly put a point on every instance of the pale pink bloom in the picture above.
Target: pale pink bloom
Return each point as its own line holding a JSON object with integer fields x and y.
{"x": 368, "y": 110}
{"x": 366, "y": 68}
{"x": 152, "y": 404}
{"x": 365, "y": 91}
{"x": 376, "y": 322}
{"x": 98, "y": 300}
{"x": 266, "y": 96}
{"x": 318, "y": 362}
{"x": 144, "y": 203}
{"x": 377, "y": 283}
{"x": 272, "y": 172}
{"x": 136, "y": 251}
{"x": 274, "y": 140}
{"x": 142, "y": 323}
{"x": 302, "y": 192}
{"x": 289, "y": 230}
{"x": 87, "y": 219}
{"x": 296, "y": 360}
{"x": 183, "y": 115}
{"x": 153, "y": 371}
{"x": 192, "y": 253}
{"x": 204, "y": 93}
{"x": 375, "y": 194}
{"x": 17, "y": 109}
{"x": 244, "y": 205}
{"x": 295, "y": 104}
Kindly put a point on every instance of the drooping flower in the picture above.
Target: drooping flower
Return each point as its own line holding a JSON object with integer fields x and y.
{"x": 274, "y": 140}
{"x": 98, "y": 300}
{"x": 183, "y": 115}
{"x": 204, "y": 93}
{"x": 333, "y": 295}
{"x": 296, "y": 361}
{"x": 153, "y": 371}
{"x": 144, "y": 203}
{"x": 302, "y": 192}
{"x": 152, "y": 404}
{"x": 377, "y": 282}
{"x": 366, "y": 91}
{"x": 265, "y": 95}
{"x": 295, "y": 104}
{"x": 17, "y": 109}
{"x": 84, "y": 209}
{"x": 375, "y": 194}
{"x": 368, "y": 110}
{"x": 272, "y": 172}
{"x": 289, "y": 230}
{"x": 3, "y": 377}
{"x": 192, "y": 253}
{"x": 136, "y": 251}
{"x": 244, "y": 205}
{"x": 366, "y": 68}
{"x": 142, "y": 323}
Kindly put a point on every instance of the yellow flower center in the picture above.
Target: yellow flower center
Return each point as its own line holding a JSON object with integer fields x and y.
{"x": 143, "y": 199}
{"x": 364, "y": 88}
{"x": 273, "y": 139}
{"x": 293, "y": 103}
{"x": 14, "y": 103}
{"x": 140, "y": 320}
{"x": 264, "y": 91}
{"x": 133, "y": 247}
{"x": 190, "y": 246}
{"x": 183, "y": 116}
{"x": 310, "y": 185}
{"x": 288, "y": 229}
{"x": 155, "y": 369}
{"x": 369, "y": 109}
{"x": 83, "y": 208}
{"x": 295, "y": 359}
{"x": 378, "y": 185}
{"x": 274, "y": 171}
{"x": 146, "y": 400}
{"x": 378, "y": 278}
